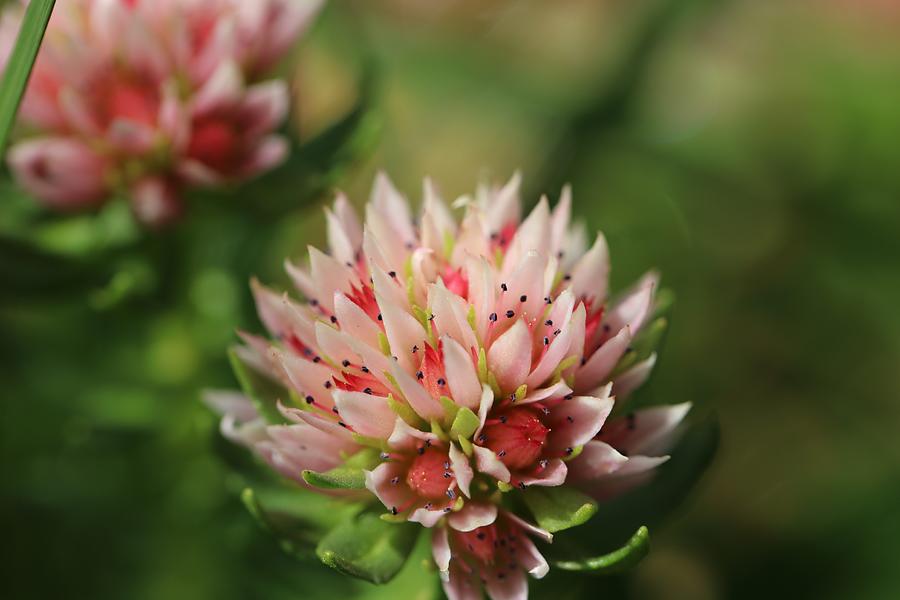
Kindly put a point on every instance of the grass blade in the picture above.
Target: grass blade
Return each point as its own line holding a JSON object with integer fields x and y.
{"x": 18, "y": 69}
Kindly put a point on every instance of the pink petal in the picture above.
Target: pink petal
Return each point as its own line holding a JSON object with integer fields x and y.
{"x": 531, "y": 559}
{"x": 482, "y": 292}
{"x": 403, "y": 332}
{"x": 416, "y": 396}
{"x": 462, "y": 586}
{"x": 526, "y": 281}
{"x": 326, "y": 425}
{"x": 649, "y": 431}
{"x": 529, "y": 527}
{"x": 426, "y": 517}
{"x": 513, "y": 586}
{"x": 62, "y": 172}
{"x": 223, "y": 90}
{"x": 308, "y": 379}
{"x": 472, "y": 239}
{"x": 392, "y": 247}
{"x": 440, "y": 551}
{"x": 355, "y": 321}
{"x": 392, "y": 495}
{"x": 576, "y": 421}
{"x": 634, "y": 307}
{"x": 348, "y": 220}
{"x": 484, "y": 406}
{"x": 487, "y": 462}
{"x": 597, "y": 459}
{"x": 552, "y": 475}
{"x": 462, "y": 470}
{"x": 590, "y": 275}
{"x": 601, "y": 363}
{"x": 472, "y": 516}
{"x": 533, "y": 235}
{"x": 554, "y": 355}
{"x": 230, "y": 402}
{"x": 268, "y": 153}
{"x": 462, "y": 376}
{"x": 330, "y": 276}
{"x": 367, "y": 414}
{"x": 557, "y": 390}
{"x": 265, "y": 106}
{"x": 407, "y": 438}
{"x": 342, "y": 248}
{"x": 634, "y": 377}
{"x": 559, "y": 221}
{"x": 437, "y": 222}
{"x": 392, "y": 205}
{"x": 449, "y": 311}
{"x": 155, "y": 201}
{"x": 388, "y": 288}
{"x": 509, "y": 357}
{"x": 505, "y": 206}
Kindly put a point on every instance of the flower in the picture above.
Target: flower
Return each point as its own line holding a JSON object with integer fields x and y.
{"x": 474, "y": 359}
{"x": 145, "y": 98}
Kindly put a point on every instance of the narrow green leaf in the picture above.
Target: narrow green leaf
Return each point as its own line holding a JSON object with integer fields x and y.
{"x": 21, "y": 60}
{"x": 262, "y": 391}
{"x": 465, "y": 424}
{"x": 368, "y": 547}
{"x": 340, "y": 478}
{"x": 349, "y": 476}
{"x": 616, "y": 561}
{"x": 559, "y": 508}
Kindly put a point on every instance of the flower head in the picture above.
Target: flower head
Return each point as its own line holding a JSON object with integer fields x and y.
{"x": 475, "y": 359}
{"x": 147, "y": 97}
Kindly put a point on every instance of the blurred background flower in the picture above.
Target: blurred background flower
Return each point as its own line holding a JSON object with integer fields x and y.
{"x": 745, "y": 148}
{"x": 144, "y": 98}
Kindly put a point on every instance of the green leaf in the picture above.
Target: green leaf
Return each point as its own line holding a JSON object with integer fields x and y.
{"x": 616, "y": 561}
{"x": 350, "y": 476}
{"x": 465, "y": 424}
{"x": 340, "y": 478}
{"x": 21, "y": 60}
{"x": 368, "y": 547}
{"x": 262, "y": 391}
{"x": 559, "y": 508}
{"x": 296, "y": 518}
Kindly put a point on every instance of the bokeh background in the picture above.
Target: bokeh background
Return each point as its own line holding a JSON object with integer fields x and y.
{"x": 749, "y": 149}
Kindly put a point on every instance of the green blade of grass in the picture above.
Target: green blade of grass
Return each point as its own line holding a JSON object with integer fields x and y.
{"x": 18, "y": 69}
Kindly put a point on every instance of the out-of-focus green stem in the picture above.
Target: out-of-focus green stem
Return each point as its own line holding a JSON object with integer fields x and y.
{"x": 21, "y": 60}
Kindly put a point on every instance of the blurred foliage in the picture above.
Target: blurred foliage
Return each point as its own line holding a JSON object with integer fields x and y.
{"x": 747, "y": 149}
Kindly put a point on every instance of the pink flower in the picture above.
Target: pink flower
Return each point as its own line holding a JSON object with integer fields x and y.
{"x": 476, "y": 357}
{"x": 163, "y": 91}
{"x": 497, "y": 555}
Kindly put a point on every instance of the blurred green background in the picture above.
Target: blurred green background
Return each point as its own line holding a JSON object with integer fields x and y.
{"x": 749, "y": 149}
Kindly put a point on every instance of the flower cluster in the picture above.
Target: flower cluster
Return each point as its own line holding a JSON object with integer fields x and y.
{"x": 479, "y": 358}
{"x": 145, "y": 97}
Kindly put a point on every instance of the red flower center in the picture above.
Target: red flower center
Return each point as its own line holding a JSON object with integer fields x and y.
{"x": 429, "y": 474}
{"x": 214, "y": 142}
{"x": 516, "y": 436}
{"x": 120, "y": 95}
